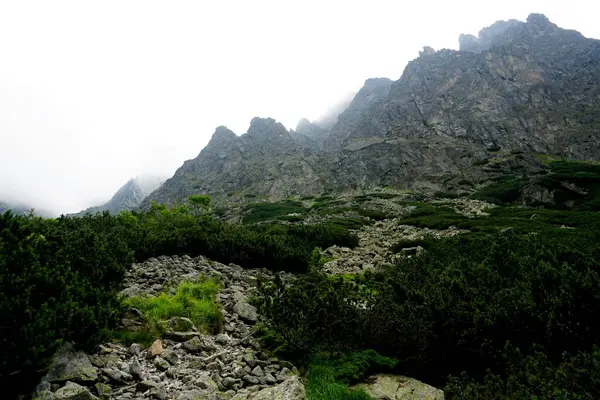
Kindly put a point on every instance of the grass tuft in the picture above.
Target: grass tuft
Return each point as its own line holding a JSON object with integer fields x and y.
{"x": 194, "y": 300}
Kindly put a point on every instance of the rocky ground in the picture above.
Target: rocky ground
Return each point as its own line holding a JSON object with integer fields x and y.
{"x": 186, "y": 364}
{"x": 375, "y": 242}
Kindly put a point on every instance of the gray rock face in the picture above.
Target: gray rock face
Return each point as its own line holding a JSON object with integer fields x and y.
{"x": 71, "y": 365}
{"x": 516, "y": 87}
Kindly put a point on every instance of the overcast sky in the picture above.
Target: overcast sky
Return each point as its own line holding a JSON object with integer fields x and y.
{"x": 95, "y": 92}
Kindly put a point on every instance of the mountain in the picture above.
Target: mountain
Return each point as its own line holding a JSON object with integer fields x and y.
{"x": 455, "y": 118}
{"x": 265, "y": 161}
{"x": 128, "y": 197}
{"x": 15, "y": 208}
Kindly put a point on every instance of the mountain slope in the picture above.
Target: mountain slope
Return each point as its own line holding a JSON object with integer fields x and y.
{"x": 263, "y": 161}
{"x": 453, "y": 118}
{"x": 128, "y": 197}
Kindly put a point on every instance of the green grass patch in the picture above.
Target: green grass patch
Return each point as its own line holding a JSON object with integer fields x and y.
{"x": 195, "y": 300}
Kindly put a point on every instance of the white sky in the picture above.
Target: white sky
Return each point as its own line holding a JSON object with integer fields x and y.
{"x": 95, "y": 92}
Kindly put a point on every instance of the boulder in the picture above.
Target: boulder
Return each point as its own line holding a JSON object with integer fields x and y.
{"x": 291, "y": 389}
{"x": 71, "y": 365}
{"x": 397, "y": 387}
{"x": 73, "y": 391}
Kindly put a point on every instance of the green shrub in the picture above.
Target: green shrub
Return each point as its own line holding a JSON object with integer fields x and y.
{"x": 505, "y": 191}
{"x": 321, "y": 384}
{"x": 403, "y": 244}
{"x": 455, "y": 308}
{"x": 264, "y": 211}
{"x": 349, "y": 223}
{"x": 373, "y": 214}
{"x": 58, "y": 281}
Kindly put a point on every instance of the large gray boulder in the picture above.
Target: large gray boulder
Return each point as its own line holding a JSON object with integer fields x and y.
{"x": 396, "y": 387}
{"x": 291, "y": 389}
{"x": 73, "y": 391}
{"x": 71, "y": 365}
{"x": 243, "y": 309}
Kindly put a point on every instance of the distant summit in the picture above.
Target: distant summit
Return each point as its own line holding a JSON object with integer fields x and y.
{"x": 128, "y": 197}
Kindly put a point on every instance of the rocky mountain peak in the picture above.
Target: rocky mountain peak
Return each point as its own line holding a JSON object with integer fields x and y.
{"x": 493, "y": 35}
{"x": 427, "y": 50}
{"x": 540, "y": 22}
{"x": 222, "y": 137}
{"x": 266, "y": 127}
{"x": 303, "y": 125}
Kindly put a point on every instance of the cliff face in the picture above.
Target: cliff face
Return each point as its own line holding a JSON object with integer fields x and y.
{"x": 519, "y": 87}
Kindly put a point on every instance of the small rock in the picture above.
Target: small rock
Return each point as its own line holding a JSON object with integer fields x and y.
{"x": 251, "y": 379}
{"x": 116, "y": 375}
{"x": 228, "y": 382}
{"x": 193, "y": 345}
{"x": 158, "y": 393}
{"x": 104, "y": 391}
{"x": 136, "y": 368}
{"x": 157, "y": 348}
{"x": 223, "y": 339}
{"x": 270, "y": 379}
{"x": 181, "y": 324}
{"x": 135, "y": 349}
{"x": 171, "y": 357}
{"x": 145, "y": 385}
{"x": 257, "y": 371}
{"x": 161, "y": 364}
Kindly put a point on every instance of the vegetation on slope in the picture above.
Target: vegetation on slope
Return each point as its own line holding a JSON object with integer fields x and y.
{"x": 59, "y": 278}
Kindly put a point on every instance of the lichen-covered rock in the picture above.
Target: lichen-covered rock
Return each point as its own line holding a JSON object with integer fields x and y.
{"x": 291, "y": 389}
{"x": 71, "y": 365}
{"x": 395, "y": 387}
{"x": 73, "y": 391}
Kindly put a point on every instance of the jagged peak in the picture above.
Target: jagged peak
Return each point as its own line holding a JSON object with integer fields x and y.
{"x": 266, "y": 126}
{"x": 377, "y": 83}
{"x": 539, "y": 19}
{"x": 427, "y": 50}
{"x": 222, "y": 135}
{"x": 303, "y": 124}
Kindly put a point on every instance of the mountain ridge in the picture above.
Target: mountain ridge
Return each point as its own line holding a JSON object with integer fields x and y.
{"x": 517, "y": 89}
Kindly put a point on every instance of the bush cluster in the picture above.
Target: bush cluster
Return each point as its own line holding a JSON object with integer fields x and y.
{"x": 59, "y": 278}
{"x": 456, "y": 309}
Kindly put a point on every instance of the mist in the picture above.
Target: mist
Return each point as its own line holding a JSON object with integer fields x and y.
{"x": 95, "y": 93}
